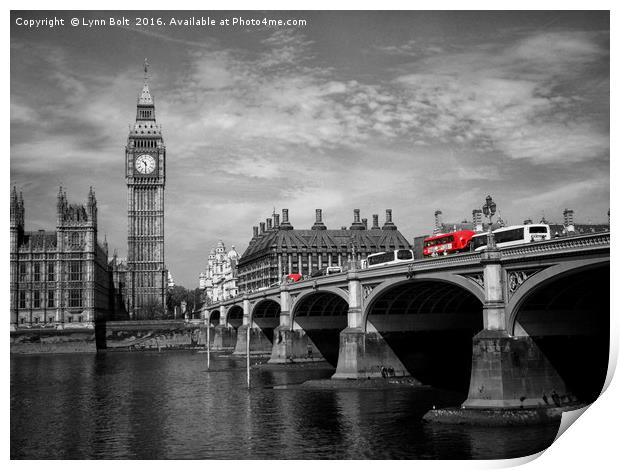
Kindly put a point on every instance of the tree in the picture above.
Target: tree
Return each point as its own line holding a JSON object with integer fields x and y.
{"x": 151, "y": 310}
{"x": 177, "y": 294}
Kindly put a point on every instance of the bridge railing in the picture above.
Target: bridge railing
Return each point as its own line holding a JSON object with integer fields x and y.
{"x": 564, "y": 244}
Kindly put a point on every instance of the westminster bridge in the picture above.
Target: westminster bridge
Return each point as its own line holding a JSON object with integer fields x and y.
{"x": 520, "y": 326}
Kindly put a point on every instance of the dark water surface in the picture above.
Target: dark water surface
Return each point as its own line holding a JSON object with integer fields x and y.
{"x": 167, "y": 406}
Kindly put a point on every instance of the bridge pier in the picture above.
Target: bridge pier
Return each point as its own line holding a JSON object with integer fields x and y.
{"x": 259, "y": 343}
{"x": 290, "y": 342}
{"x": 508, "y": 371}
{"x": 363, "y": 353}
{"x": 223, "y": 335}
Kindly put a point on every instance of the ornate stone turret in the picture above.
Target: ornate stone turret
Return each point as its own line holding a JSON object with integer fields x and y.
{"x": 91, "y": 206}
{"x": 276, "y": 221}
{"x": 17, "y": 219}
{"x": 318, "y": 223}
{"x": 388, "y": 225}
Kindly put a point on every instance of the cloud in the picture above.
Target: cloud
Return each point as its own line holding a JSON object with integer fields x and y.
{"x": 282, "y": 122}
{"x": 520, "y": 99}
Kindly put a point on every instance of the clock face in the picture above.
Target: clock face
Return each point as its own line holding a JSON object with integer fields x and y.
{"x": 145, "y": 164}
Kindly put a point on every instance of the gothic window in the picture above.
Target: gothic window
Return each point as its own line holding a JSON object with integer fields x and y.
{"x": 36, "y": 319}
{"x": 51, "y": 271}
{"x": 22, "y": 299}
{"x": 50, "y": 319}
{"x": 80, "y": 318}
{"x": 22, "y": 272}
{"x": 22, "y": 320}
{"x": 75, "y": 271}
{"x": 36, "y": 300}
{"x": 75, "y": 297}
{"x": 37, "y": 272}
{"x": 50, "y": 299}
{"x": 69, "y": 319}
{"x": 75, "y": 240}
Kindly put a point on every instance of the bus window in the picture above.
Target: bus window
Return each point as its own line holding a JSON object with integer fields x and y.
{"x": 508, "y": 235}
{"x": 380, "y": 258}
{"x": 477, "y": 242}
{"x": 538, "y": 229}
{"x": 404, "y": 254}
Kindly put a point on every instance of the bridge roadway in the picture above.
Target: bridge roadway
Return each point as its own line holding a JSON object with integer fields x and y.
{"x": 519, "y": 326}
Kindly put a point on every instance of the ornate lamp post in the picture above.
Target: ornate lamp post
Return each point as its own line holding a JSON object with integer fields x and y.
{"x": 489, "y": 209}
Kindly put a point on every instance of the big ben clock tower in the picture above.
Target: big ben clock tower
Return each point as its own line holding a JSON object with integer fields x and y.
{"x": 145, "y": 173}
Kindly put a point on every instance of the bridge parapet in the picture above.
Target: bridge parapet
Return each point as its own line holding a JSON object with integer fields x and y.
{"x": 565, "y": 245}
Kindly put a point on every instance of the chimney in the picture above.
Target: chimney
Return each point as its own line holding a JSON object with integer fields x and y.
{"x": 388, "y": 225}
{"x": 318, "y": 223}
{"x": 375, "y": 222}
{"x": 269, "y": 227}
{"x": 477, "y": 218}
{"x": 285, "y": 225}
{"x": 365, "y": 222}
{"x": 262, "y": 228}
{"x": 255, "y": 232}
{"x": 276, "y": 221}
{"x": 438, "y": 222}
{"x": 569, "y": 224}
{"x": 356, "y": 225}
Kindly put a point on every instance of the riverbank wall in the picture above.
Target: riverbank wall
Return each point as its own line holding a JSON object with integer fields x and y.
{"x": 111, "y": 336}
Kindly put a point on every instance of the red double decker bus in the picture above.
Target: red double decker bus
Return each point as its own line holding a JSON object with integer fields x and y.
{"x": 447, "y": 243}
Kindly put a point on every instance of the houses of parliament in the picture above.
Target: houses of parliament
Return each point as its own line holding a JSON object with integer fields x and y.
{"x": 65, "y": 278}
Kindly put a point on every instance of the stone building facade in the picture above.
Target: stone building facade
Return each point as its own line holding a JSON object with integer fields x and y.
{"x": 58, "y": 278}
{"x": 219, "y": 279}
{"x": 277, "y": 248}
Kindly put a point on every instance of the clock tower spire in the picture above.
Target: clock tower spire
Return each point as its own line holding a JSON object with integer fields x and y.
{"x": 145, "y": 175}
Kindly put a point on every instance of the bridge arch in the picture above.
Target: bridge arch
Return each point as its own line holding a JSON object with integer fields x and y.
{"x": 542, "y": 278}
{"x": 457, "y": 280}
{"x": 565, "y": 311}
{"x": 322, "y": 315}
{"x": 301, "y": 299}
{"x": 428, "y": 323}
{"x": 213, "y": 317}
{"x": 234, "y": 315}
{"x": 265, "y": 314}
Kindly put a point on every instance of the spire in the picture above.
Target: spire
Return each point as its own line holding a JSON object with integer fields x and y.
{"x": 145, "y": 98}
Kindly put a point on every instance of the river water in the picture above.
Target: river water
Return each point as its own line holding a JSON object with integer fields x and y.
{"x": 168, "y": 406}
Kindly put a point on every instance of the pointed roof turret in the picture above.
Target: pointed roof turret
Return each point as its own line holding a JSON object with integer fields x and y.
{"x": 145, "y": 97}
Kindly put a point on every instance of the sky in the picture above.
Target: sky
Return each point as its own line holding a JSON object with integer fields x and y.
{"x": 412, "y": 111}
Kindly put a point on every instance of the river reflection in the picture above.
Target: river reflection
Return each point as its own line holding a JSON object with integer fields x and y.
{"x": 168, "y": 406}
